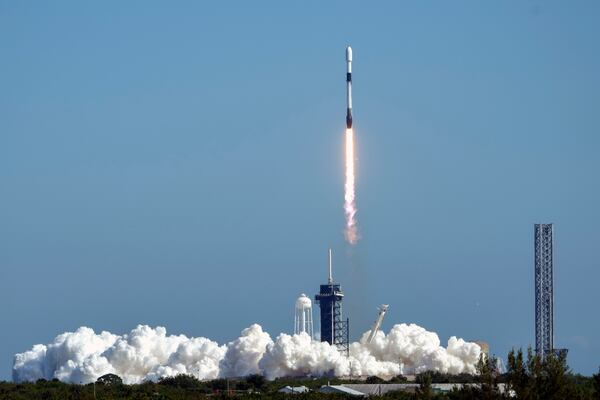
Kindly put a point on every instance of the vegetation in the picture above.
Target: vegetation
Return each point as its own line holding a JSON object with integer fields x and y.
{"x": 109, "y": 380}
{"x": 425, "y": 391}
{"x": 527, "y": 378}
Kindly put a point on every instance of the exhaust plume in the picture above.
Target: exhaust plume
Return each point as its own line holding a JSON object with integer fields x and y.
{"x": 351, "y": 231}
{"x": 148, "y": 353}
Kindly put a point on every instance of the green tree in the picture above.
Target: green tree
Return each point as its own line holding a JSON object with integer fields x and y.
{"x": 181, "y": 381}
{"x": 537, "y": 379}
{"x": 109, "y": 380}
{"x": 424, "y": 391}
{"x": 596, "y": 383}
{"x": 517, "y": 377}
{"x": 488, "y": 378}
{"x": 555, "y": 382}
{"x": 256, "y": 381}
{"x": 398, "y": 379}
{"x": 374, "y": 379}
{"x": 535, "y": 376}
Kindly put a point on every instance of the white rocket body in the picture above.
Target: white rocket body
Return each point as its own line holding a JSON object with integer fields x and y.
{"x": 349, "y": 87}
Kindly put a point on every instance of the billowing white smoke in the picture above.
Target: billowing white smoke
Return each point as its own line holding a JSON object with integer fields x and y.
{"x": 298, "y": 355}
{"x": 148, "y": 353}
{"x": 244, "y": 353}
{"x": 417, "y": 349}
{"x": 144, "y": 353}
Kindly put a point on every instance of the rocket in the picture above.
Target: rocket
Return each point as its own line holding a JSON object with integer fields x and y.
{"x": 349, "y": 87}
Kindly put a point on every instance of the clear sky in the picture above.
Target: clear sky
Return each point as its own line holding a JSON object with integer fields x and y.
{"x": 181, "y": 164}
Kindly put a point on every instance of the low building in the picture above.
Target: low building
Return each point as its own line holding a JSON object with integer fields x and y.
{"x": 294, "y": 389}
{"x": 341, "y": 389}
{"x": 378, "y": 389}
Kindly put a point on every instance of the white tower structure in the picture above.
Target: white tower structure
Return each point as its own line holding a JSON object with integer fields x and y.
{"x": 377, "y": 324}
{"x": 303, "y": 321}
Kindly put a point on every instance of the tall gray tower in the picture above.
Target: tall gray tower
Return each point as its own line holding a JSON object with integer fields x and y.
{"x": 544, "y": 289}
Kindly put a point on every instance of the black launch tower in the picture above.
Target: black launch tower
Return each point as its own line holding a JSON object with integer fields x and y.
{"x": 334, "y": 329}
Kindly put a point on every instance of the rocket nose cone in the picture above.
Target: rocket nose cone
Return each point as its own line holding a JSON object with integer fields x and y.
{"x": 348, "y": 53}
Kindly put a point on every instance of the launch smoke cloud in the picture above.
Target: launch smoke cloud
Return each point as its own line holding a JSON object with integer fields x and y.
{"x": 148, "y": 353}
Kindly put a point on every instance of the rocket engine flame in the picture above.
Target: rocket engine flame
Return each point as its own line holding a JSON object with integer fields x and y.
{"x": 351, "y": 231}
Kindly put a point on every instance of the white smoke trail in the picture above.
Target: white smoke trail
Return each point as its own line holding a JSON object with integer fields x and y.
{"x": 148, "y": 353}
{"x": 351, "y": 231}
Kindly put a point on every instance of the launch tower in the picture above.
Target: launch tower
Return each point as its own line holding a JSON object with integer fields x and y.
{"x": 334, "y": 329}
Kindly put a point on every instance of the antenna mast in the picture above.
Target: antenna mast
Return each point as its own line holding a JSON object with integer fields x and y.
{"x": 330, "y": 281}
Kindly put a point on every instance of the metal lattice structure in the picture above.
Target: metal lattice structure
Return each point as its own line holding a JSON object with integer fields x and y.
{"x": 334, "y": 329}
{"x": 544, "y": 289}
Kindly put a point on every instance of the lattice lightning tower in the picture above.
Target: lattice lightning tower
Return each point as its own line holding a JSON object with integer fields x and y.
{"x": 544, "y": 289}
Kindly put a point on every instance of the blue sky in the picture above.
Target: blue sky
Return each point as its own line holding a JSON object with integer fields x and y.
{"x": 181, "y": 164}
